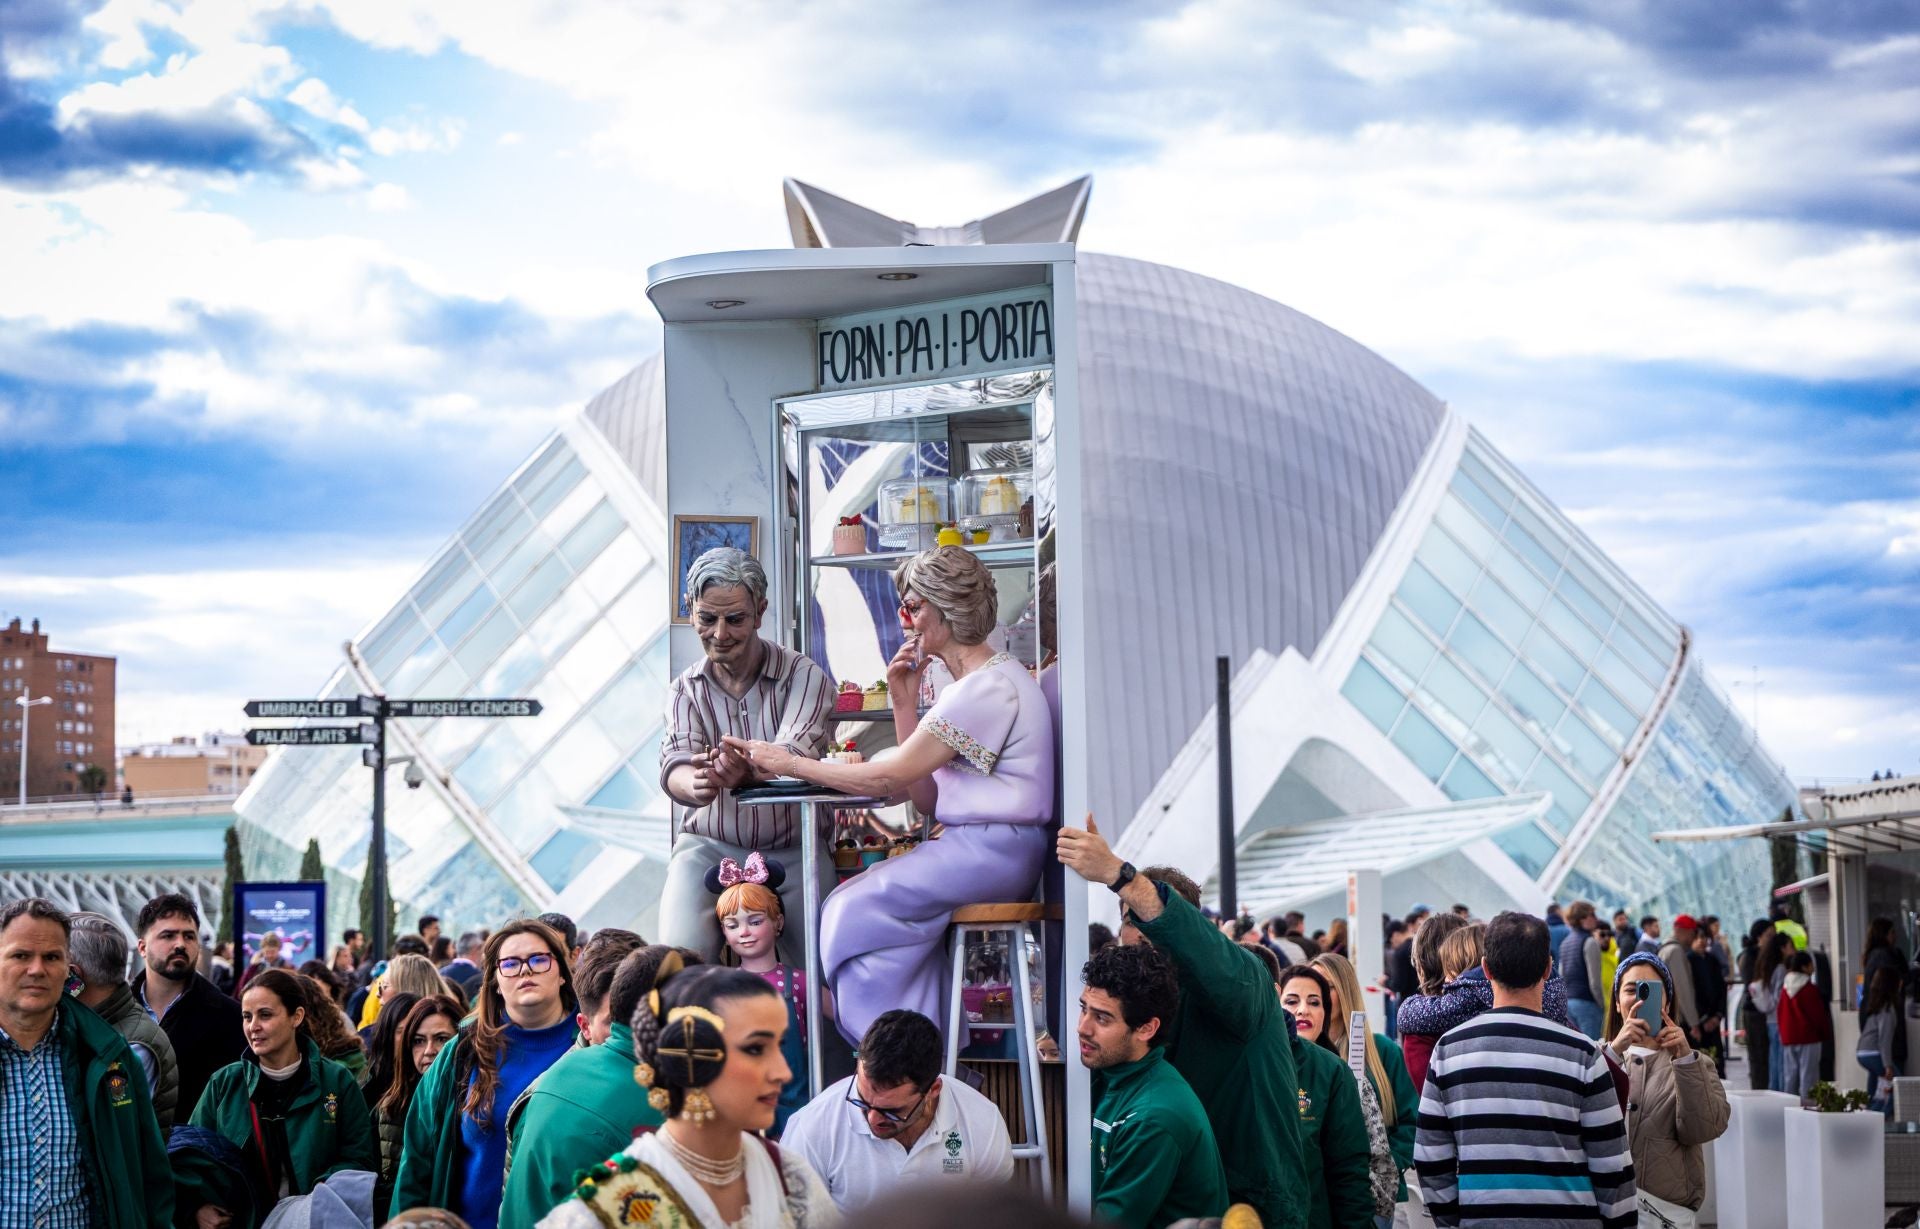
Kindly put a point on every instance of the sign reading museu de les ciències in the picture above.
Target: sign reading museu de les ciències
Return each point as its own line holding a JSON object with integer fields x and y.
{"x": 934, "y": 341}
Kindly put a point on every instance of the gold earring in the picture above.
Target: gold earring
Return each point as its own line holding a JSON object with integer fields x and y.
{"x": 643, "y": 1075}
{"x": 660, "y": 1100}
{"x": 698, "y": 1107}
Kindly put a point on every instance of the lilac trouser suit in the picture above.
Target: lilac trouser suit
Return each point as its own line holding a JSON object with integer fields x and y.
{"x": 881, "y": 932}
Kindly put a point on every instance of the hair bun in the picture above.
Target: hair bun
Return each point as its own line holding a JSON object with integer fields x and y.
{"x": 690, "y": 1049}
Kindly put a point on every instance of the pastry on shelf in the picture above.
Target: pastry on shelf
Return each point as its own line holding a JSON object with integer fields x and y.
{"x": 949, "y": 535}
{"x": 999, "y": 497}
{"x": 920, "y": 504}
{"x": 842, "y": 753}
{"x": 875, "y": 697}
{"x": 850, "y": 536}
{"x": 1026, "y": 518}
{"x": 850, "y": 700}
{"x": 981, "y": 536}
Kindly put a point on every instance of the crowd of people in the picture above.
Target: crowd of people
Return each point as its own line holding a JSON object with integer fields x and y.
{"x": 524, "y": 1074}
{"x": 540, "y": 1077}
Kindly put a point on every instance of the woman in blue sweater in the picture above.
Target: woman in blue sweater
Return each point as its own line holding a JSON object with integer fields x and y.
{"x": 453, "y": 1154}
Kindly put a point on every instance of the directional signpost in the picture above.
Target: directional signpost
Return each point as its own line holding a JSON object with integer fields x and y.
{"x": 374, "y": 732}
{"x": 312, "y": 735}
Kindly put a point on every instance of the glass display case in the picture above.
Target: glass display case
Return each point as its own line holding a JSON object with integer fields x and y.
{"x": 874, "y": 478}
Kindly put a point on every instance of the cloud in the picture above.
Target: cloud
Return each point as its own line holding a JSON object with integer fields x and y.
{"x": 174, "y": 630}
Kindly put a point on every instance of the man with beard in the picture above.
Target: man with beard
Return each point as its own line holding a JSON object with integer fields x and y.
{"x": 202, "y": 1023}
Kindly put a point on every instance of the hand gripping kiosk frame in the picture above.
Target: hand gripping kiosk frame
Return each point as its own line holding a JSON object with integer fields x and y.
{"x": 797, "y": 383}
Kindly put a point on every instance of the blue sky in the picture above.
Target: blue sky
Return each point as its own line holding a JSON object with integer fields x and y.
{"x": 287, "y": 288}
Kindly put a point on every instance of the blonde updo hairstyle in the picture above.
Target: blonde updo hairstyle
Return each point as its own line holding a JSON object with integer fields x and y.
{"x": 954, "y": 582}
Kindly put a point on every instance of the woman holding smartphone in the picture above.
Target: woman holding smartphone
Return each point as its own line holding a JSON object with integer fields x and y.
{"x": 1675, "y": 1103}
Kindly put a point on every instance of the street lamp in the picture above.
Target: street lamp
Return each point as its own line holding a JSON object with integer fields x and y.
{"x": 26, "y": 704}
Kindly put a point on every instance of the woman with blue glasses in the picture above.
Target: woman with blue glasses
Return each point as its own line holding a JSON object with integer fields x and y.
{"x": 453, "y": 1152}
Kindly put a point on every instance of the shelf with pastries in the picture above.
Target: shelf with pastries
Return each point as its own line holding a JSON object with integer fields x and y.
{"x": 993, "y": 554}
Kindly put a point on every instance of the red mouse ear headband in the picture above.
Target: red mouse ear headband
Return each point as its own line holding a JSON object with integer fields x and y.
{"x": 756, "y": 869}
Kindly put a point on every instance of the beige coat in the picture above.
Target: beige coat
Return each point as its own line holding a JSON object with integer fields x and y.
{"x": 1672, "y": 1110}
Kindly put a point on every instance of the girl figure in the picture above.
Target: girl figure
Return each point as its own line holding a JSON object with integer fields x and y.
{"x": 752, "y": 921}
{"x": 708, "y": 1044}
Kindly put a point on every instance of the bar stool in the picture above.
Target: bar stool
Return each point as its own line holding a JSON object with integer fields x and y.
{"x": 1010, "y": 919}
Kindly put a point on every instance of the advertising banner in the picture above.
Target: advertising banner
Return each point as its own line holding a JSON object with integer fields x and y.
{"x": 297, "y": 912}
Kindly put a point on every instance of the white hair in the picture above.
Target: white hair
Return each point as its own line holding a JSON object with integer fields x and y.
{"x": 730, "y": 566}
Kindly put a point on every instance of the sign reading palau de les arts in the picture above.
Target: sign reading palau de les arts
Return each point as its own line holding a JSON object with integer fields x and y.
{"x": 936, "y": 341}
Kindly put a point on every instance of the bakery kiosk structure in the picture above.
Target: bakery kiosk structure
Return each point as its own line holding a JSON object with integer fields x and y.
{"x": 842, "y": 409}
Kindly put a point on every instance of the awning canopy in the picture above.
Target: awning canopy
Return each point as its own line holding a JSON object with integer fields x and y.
{"x": 1285, "y": 866}
{"x": 1889, "y": 832}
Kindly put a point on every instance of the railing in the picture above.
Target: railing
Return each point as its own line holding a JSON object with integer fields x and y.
{"x": 68, "y": 807}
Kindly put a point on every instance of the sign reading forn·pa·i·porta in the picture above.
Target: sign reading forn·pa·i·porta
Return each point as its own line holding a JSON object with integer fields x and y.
{"x": 936, "y": 341}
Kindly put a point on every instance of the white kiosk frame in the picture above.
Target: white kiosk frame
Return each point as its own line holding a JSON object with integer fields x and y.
{"x": 742, "y": 337}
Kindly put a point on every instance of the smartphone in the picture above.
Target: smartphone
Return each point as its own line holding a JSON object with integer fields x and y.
{"x": 1651, "y": 994}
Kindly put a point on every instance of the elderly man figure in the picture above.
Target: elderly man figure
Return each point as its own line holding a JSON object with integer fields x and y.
{"x": 99, "y": 954}
{"x": 750, "y": 688}
{"x": 77, "y": 1130}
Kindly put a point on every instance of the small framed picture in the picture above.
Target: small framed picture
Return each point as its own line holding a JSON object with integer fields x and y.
{"x": 694, "y": 536}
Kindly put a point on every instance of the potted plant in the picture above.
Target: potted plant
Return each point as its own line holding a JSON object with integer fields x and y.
{"x": 1836, "y": 1161}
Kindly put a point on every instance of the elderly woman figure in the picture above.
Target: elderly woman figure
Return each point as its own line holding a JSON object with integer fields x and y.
{"x": 981, "y": 762}
{"x": 744, "y": 687}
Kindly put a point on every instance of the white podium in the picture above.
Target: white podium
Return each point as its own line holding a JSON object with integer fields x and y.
{"x": 1750, "y": 1161}
{"x": 1836, "y": 1169}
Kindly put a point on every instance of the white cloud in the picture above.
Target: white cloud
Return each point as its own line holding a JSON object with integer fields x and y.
{"x": 388, "y": 198}
{"x": 187, "y": 83}
{"x": 194, "y": 645}
{"x": 313, "y": 96}
{"x": 415, "y": 138}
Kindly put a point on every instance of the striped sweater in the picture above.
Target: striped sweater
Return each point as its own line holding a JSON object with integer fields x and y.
{"x": 1519, "y": 1127}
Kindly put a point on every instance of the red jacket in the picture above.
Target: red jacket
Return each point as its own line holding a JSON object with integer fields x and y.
{"x": 1804, "y": 1019}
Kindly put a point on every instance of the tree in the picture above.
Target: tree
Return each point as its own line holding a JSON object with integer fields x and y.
{"x": 311, "y": 867}
{"x": 93, "y": 779}
{"x": 236, "y": 873}
{"x": 366, "y": 906}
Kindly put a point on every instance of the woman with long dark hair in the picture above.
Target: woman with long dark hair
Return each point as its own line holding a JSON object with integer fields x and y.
{"x": 454, "y": 1145}
{"x": 417, "y": 1030}
{"x": 1334, "y": 1125}
{"x": 328, "y": 1025}
{"x": 290, "y": 1110}
{"x": 708, "y": 1044}
{"x": 379, "y": 1039}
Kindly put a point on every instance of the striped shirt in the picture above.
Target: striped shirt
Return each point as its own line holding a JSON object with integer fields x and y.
{"x": 1520, "y": 1127}
{"x": 788, "y": 704}
{"x": 46, "y": 1171}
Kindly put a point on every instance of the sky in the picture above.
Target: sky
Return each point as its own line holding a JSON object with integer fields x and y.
{"x": 286, "y": 289}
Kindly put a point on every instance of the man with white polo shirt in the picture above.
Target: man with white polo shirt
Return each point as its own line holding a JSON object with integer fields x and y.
{"x": 896, "y": 1121}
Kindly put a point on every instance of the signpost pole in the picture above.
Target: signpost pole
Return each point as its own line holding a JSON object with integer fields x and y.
{"x": 1223, "y": 753}
{"x": 380, "y": 935}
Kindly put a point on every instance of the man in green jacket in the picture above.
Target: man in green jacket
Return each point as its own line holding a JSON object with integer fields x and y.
{"x": 67, "y": 1074}
{"x": 1154, "y": 1156}
{"x": 1230, "y": 1039}
{"x": 585, "y": 1107}
{"x": 99, "y": 953}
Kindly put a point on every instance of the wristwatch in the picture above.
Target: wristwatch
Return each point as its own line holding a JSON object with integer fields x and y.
{"x": 1124, "y": 878}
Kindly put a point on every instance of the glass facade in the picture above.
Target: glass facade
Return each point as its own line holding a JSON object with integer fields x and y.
{"x": 1515, "y": 658}
{"x": 548, "y": 592}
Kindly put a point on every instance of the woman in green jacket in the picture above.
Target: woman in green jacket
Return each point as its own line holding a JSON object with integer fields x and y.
{"x": 1332, "y": 1122}
{"x": 1386, "y": 1066}
{"x": 295, "y": 1115}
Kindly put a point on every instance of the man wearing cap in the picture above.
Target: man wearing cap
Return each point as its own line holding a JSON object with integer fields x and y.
{"x": 749, "y": 687}
{"x": 1674, "y": 954}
